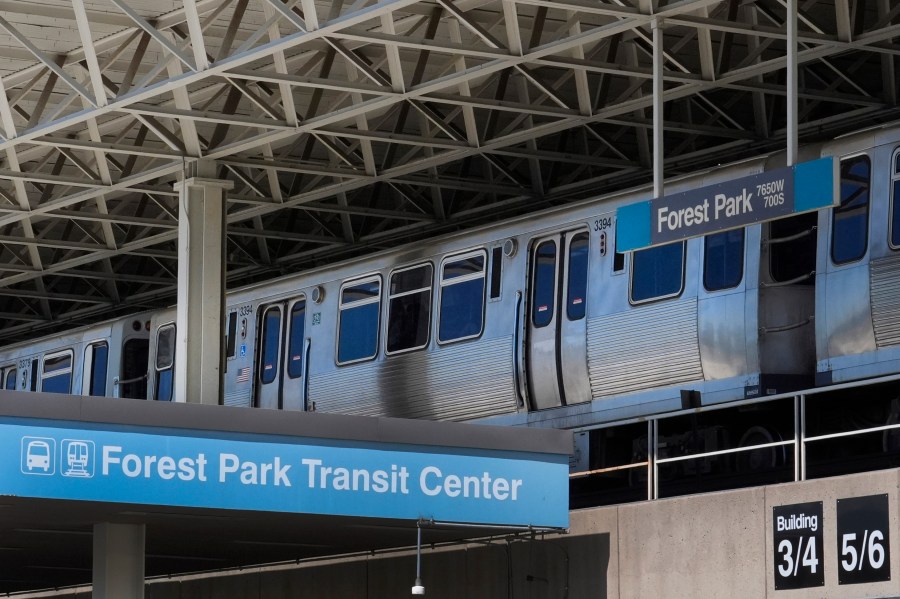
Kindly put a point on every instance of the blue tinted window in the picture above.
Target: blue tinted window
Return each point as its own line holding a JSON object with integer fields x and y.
{"x": 850, "y": 220}
{"x": 462, "y": 298}
{"x": 164, "y": 382}
{"x": 359, "y": 317}
{"x": 98, "y": 369}
{"x": 657, "y": 272}
{"x": 295, "y": 342}
{"x": 723, "y": 262}
{"x": 57, "y": 376}
{"x": 271, "y": 328}
{"x": 576, "y": 294}
{"x": 165, "y": 362}
{"x": 544, "y": 291}
{"x": 11, "y": 380}
{"x": 359, "y": 333}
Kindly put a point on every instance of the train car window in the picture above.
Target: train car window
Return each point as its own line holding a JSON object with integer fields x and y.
{"x": 10, "y": 383}
{"x": 56, "y": 377}
{"x": 230, "y": 335}
{"x": 462, "y": 297}
{"x": 358, "y": 320}
{"x": 850, "y": 220}
{"x": 723, "y": 260}
{"x": 269, "y": 340}
{"x": 295, "y": 339}
{"x": 544, "y": 290}
{"x": 165, "y": 362}
{"x": 576, "y": 294}
{"x": 409, "y": 308}
{"x": 895, "y": 201}
{"x": 133, "y": 383}
{"x": 657, "y": 272}
{"x": 96, "y": 356}
{"x": 496, "y": 271}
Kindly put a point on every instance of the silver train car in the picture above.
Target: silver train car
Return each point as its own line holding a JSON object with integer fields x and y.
{"x": 539, "y": 321}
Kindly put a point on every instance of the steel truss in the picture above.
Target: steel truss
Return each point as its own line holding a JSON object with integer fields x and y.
{"x": 353, "y": 126}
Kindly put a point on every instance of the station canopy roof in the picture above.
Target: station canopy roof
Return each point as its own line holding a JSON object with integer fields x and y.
{"x": 351, "y": 126}
{"x": 287, "y": 513}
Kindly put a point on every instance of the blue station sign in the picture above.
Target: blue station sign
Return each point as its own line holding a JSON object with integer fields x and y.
{"x": 756, "y": 198}
{"x": 205, "y": 469}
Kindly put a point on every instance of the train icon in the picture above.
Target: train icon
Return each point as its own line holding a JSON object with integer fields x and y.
{"x": 38, "y": 455}
{"x": 78, "y": 458}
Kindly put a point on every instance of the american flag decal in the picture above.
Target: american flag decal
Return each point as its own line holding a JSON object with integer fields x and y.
{"x": 243, "y": 375}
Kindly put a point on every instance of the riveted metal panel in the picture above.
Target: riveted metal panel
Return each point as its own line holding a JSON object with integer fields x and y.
{"x": 884, "y": 287}
{"x": 455, "y": 382}
{"x": 644, "y": 348}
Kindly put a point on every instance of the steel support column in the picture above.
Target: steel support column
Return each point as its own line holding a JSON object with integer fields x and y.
{"x": 118, "y": 561}
{"x": 658, "y": 148}
{"x": 201, "y": 286}
{"x": 792, "y": 80}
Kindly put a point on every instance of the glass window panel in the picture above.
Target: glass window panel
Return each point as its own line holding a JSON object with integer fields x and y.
{"x": 850, "y": 220}
{"x": 657, "y": 272}
{"x": 723, "y": 261}
{"x": 466, "y": 266}
{"x": 895, "y": 202}
{"x": 368, "y": 290}
{"x": 11, "y": 380}
{"x": 57, "y": 376}
{"x": 99, "y": 364}
{"x": 165, "y": 380}
{"x": 295, "y": 341}
{"x": 358, "y": 334}
{"x": 409, "y": 314}
{"x": 576, "y": 294}
{"x": 544, "y": 290}
{"x": 462, "y": 310}
{"x": 165, "y": 347}
{"x": 268, "y": 366}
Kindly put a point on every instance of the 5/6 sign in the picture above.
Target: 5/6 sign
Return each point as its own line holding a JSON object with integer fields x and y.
{"x": 797, "y": 540}
{"x": 863, "y": 536}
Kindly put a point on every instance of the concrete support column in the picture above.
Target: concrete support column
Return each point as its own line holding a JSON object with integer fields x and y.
{"x": 201, "y": 286}
{"x": 118, "y": 561}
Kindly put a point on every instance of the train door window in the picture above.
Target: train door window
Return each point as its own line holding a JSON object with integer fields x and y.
{"x": 96, "y": 356}
{"x": 496, "y": 272}
{"x": 895, "y": 201}
{"x": 133, "y": 379}
{"x": 409, "y": 308}
{"x": 358, "y": 320}
{"x": 576, "y": 294}
{"x": 723, "y": 260}
{"x": 230, "y": 335}
{"x": 296, "y": 333}
{"x": 10, "y": 382}
{"x": 850, "y": 220}
{"x": 56, "y": 376}
{"x": 165, "y": 362}
{"x": 544, "y": 289}
{"x": 270, "y": 338}
{"x": 462, "y": 297}
{"x": 657, "y": 272}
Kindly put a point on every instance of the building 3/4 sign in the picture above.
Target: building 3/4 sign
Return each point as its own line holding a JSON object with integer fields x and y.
{"x": 264, "y": 473}
{"x": 752, "y": 199}
{"x": 797, "y": 540}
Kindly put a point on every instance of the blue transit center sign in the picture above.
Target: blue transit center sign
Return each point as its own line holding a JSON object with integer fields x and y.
{"x": 192, "y": 468}
{"x": 728, "y": 205}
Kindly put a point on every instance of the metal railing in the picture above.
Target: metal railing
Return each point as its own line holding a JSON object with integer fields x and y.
{"x": 650, "y": 467}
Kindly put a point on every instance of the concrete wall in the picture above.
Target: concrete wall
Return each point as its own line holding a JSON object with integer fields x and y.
{"x": 713, "y": 545}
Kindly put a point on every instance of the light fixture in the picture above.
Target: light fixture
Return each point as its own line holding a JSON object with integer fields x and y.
{"x": 418, "y": 587}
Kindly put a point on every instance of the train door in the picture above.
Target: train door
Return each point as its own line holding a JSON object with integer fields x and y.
{"x": 296, "y": 355}
{"x": 282, "y": 355}
{"x": 556, "y": 325}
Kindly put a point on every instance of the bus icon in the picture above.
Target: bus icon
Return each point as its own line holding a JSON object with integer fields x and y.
{"x": 78, "y": 458}
{"x": 37, "y": 455}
